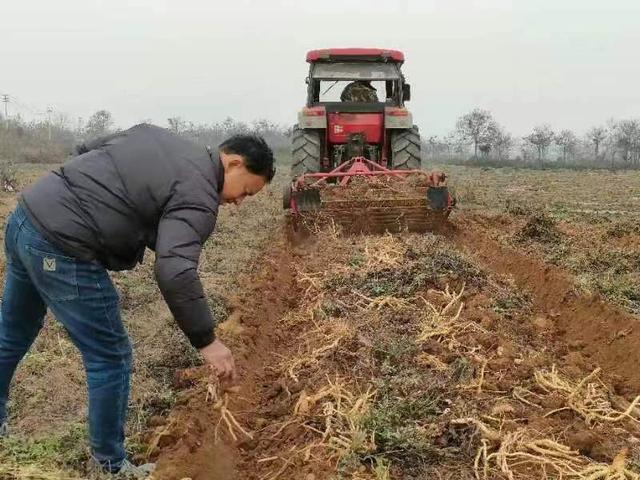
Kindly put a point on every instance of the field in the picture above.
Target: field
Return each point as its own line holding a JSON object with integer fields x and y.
{"x": 506, "y": 347}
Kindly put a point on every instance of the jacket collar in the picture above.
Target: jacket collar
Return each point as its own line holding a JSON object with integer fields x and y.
{"x": 217, "y": 166}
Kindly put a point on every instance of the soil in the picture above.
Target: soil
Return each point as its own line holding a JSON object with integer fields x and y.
{"x": 524, "y": 315}
{"x": 192, "y": 450}
{"x": 601, "y": 332}
{"x": 322, "y": 308}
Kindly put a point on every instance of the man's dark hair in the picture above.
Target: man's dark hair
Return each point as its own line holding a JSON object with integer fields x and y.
{"x": 257, "y": 155}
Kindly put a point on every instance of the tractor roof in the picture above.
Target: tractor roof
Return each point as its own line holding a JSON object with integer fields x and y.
{"x": 355, "y": 54}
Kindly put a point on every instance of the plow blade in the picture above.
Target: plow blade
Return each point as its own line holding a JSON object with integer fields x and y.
{"x": 363, "y": 197}
{"x": 420, "y": 214}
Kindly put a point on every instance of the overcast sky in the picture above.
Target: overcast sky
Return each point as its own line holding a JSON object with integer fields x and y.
{"x": 571, "y": 63}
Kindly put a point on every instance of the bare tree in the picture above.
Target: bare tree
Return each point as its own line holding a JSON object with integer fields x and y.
{"x": 433, "y": 146}
{"x": 501, "y": 141}
{"x": 626, "y": 137}
{"x": 596, "y": 136}
{"x": 176, "y": 124}
{"x": 100, "y": 123}
{"x": 474, "y": 126}
{"x": 567, "y": 141}
{"x": 450, "y": 140}
{"x": 541, "y": 138}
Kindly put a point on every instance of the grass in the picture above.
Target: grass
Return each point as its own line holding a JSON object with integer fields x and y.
{"x": 65, "y": 449}
{"x": 401, "y": 424}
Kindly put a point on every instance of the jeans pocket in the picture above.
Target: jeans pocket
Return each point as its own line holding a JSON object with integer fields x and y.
{"x": 55, "y": 275}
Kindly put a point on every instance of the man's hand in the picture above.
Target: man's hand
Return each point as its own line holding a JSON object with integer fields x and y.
{"x": 220, "y": 358}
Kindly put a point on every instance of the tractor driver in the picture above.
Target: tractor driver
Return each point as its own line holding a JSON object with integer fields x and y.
{"x": 359, "y": 91}
{"x": 143, "y": 187}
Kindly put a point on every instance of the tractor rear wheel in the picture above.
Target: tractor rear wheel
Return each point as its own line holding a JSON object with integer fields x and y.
{"x": 405, "y": 149}
{"x": 305, "y": 152}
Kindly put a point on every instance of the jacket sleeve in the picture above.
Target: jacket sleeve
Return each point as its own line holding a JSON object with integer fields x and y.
{"x": 181, "y": 233}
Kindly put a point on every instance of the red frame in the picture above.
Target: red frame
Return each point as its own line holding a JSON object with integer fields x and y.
{"x": 331, "y": 53}
{"x": 362, "y": 167}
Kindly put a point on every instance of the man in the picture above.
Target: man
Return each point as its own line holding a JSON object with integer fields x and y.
{"x": 359, "y": 91}
{"x": 144, "y": 187}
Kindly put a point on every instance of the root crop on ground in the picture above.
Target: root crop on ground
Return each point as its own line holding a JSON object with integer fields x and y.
{"x": 589, "y": 397}
{"x": 227, "y": 419}
{"x": 514, "y": 453}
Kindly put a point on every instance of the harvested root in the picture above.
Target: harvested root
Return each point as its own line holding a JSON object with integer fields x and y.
{"x": 442, "y": 323}
{"x": 328, "y": 335}
{"x": 233, "y": 428}
{"x": 340, "y": 410}
{"x": 487, "y": 432}
{"x": 158, "y": 435}
{"x": 521, "y": 394}
{"x": 507, "y": 452}
{"x": 516, "y": 449}
{"x": 431, "y": 361}
{"x": 616, "y": 471}
{"x": 335, "y": 413}
{"x": 589, "y": 398}
{"x": 382, "y": 252}
{"x": 312, "y": 281}
{"x": 385, "y": 301}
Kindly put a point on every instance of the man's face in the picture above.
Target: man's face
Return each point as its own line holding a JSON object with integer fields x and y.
{"x": 239, "y": 182}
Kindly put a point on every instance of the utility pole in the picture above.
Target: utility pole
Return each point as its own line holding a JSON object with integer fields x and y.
{"x": 49, "y": 112}
{"x": 5, "y": 100}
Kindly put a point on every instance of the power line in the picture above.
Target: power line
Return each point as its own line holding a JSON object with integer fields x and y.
{"x": 26, "y": 106}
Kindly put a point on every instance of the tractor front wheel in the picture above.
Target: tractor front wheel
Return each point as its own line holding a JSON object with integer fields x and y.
{"x": 405, "y": 149}
{"x": 305, "y": 152}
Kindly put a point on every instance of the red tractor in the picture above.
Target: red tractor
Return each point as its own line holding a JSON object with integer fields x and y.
{"x": 355, "y": 124}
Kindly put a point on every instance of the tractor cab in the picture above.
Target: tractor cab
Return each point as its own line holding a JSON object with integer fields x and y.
{"x": 355, "y": 105}
{"x": 332, "y": 71}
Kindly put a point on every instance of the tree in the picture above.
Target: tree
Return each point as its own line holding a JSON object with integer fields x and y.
{"x": 501, "y": 141}
{"x": 176, "y": 124}
{"x": 626, "y": 137}
{"x": 474, "y": 126}
{"x": 567, "y": 141}
{"x": 596, "y": 136}
{"x": 541, "y": 138}
{"x": 100, "y": 123}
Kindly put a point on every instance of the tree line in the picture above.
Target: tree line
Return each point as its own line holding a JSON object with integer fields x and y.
{"x": 53, "y": 140}
{"x": 478, "y": 138}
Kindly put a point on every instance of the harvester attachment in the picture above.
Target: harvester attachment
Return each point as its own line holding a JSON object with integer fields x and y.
{"x": 364, "y": 197}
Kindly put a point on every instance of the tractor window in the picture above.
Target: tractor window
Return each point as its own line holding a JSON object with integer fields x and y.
{"x": 331, "y": 91}
{"x": 354, "y": 71}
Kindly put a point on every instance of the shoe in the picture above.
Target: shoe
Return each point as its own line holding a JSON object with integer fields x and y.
{"x": 127, "y": 470}
{"x": 4, "y": 430}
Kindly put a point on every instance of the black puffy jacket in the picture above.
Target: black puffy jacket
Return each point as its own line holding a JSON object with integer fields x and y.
{"x": 143, "y": 187}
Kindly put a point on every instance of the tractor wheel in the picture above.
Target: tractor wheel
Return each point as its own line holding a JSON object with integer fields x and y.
{"x": 305, "y": 152}
{"x": 405, "y": 149}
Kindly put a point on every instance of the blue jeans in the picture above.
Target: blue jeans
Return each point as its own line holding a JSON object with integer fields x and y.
{"x": 82, "y": 297}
